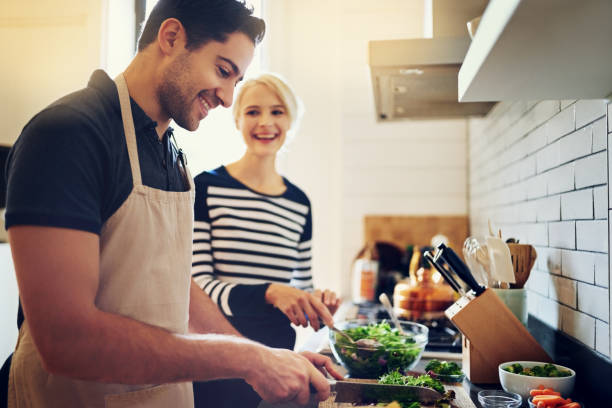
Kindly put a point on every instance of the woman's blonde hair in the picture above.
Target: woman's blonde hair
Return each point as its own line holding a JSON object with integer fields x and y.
{"x": 277, "y": 85}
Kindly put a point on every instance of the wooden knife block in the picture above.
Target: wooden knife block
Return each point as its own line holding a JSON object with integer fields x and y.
{"x": 492, "y": 335}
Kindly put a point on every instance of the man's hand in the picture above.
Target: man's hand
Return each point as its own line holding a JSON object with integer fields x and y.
{"x": 300, "y": 307}
{"x": 323, "y": 364}
{"x": 280, "y": 375}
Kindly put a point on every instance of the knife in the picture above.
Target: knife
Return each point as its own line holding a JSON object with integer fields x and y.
{"x": 369, "y": 391}
{"x": 446, "y": 274}
{"x": 457, "y": 265}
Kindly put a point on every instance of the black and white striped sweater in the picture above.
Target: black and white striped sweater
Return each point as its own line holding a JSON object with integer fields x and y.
{"x": 244, "y": 240}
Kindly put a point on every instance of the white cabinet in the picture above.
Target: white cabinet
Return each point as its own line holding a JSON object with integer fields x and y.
{"x": 539, "y": 50}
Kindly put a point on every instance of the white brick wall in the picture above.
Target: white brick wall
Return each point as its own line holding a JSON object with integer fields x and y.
{"x": 539, "y": 171}
{"x": 561, "y": 179}
{"x": 549, "y": 259}
{"x": 562, "y": 234}
{"x": 602, "y": 337}
{"x": 578, "y": 265}
{"x": 601, "y": 270}
{"x": 592, "y": 235}
{"x": 577, "y": 205}
{"x": 591, "y": 170}
{"x": 600, "y": 135}
{"x": 564, "y": 291}
{"x": 590, "y": 300}
{"x": 609, "y": 117}
{"x": 560, "y": 125}
{"x": 575, "y": 145}
{"x": 578, "y": 325}
{"x": 546, "y": 309}
{"x": 548, "y": 157}
{"x": 589, "y": 110}
{"x": 548, "y": 209}
{"x": 600, "y": 197}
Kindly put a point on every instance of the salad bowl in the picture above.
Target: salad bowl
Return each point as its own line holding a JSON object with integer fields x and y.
{"x": 534, "y": 374}
{"x": 380, "y": 347}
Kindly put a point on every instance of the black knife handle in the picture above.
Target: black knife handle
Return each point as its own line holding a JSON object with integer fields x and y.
{"x": 461, "y": 269}
{"x": 445, "y": 274}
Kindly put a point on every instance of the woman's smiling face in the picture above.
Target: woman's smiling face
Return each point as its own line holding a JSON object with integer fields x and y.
{"x": 263, "y": 120}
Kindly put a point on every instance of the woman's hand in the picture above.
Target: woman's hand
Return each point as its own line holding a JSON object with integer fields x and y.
{"x": 300, "y": 307}
{"x": 329, "y": 299}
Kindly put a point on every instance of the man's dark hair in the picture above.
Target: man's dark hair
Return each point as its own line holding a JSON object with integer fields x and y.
{"x": 204, "y": 21}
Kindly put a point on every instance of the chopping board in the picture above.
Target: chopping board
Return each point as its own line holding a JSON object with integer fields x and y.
{"x": 462, "y": 400}
{"x": 403, "y": 230}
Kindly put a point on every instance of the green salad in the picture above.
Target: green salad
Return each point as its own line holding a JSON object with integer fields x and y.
{"x": 546, "y": 370}
{"x": 394, "y": 351}
{"x": 396, "y": 378}
{"x": 443, "y": 367}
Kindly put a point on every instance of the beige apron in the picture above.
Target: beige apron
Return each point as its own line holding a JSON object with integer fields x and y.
{"x": 145, "y": 265}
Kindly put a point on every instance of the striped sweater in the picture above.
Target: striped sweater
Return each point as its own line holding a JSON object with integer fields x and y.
{"x": 244, "y": 240}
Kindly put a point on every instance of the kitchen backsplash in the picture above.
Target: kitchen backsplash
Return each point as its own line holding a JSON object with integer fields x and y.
{"x": 539, "y": 171}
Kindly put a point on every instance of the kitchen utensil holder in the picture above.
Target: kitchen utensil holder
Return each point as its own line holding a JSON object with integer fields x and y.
{"x": 492, "y": 335}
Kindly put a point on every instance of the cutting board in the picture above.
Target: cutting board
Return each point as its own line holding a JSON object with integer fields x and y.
{"x": 462, "y": 400}
{"x": 403, "y": 230}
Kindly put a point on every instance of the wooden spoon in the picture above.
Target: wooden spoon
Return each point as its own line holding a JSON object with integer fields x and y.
{"x": 523, "y": 259}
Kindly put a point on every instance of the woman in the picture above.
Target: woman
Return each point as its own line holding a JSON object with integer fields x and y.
{"x": 252, "y": 236}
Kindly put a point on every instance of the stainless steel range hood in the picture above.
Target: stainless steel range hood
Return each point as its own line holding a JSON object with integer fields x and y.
{"x": 417, "y": 78}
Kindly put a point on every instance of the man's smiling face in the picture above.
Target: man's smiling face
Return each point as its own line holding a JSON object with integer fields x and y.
{"x": 197, "y": 81}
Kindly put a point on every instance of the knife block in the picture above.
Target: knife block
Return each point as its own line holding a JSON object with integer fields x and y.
{"x": 491, "y": 335}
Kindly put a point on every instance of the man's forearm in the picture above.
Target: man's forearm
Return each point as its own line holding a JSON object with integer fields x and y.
{"x": 113, "y": 348}
{"x": 205, "y": 316}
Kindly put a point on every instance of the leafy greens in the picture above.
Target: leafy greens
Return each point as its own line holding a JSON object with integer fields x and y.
{"x": 395, "y": 351}
{"x": 396, "y": 378}
{"x": 546, "y": 370}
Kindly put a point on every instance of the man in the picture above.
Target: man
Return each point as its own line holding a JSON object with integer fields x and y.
{"x": 100, "y": 218}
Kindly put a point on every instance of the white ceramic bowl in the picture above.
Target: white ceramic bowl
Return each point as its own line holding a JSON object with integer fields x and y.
{"x": 522, "y": 384}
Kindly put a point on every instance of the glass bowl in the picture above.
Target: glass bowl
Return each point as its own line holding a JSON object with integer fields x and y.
{"x": 499, "y": 399}
{"x": 448, "y": 378}
{"x": 394, "y": 352}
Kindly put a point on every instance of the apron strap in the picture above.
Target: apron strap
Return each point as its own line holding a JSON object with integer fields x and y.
{"x": 128, "y": 128}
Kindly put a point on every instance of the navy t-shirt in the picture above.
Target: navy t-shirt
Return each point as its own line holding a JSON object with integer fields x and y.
{"x": 70, "y": 166}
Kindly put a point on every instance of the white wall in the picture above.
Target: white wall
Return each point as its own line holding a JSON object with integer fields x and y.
{"x": 349, "y": 164}
{"x": 8, "y": 303}
{"x": 539, "y": 171}
{"x": 49, "y": 49}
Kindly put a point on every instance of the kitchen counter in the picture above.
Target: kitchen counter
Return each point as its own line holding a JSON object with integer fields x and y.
{"x": 318, "y": 343}
{"x": 593, "y": 370}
